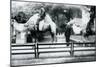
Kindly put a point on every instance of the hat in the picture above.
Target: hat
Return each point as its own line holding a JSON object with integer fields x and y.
{"x": 42, "y": 10}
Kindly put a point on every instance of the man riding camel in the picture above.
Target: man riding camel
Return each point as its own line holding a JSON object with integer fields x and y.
{"x": 34, "y": 22}
{"x": 42, "y": 15}
{"x": 44, "y": 20}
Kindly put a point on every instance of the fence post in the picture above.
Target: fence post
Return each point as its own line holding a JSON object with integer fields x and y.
{"x": 36, "y": 50}
{"x": 72, "y": 49}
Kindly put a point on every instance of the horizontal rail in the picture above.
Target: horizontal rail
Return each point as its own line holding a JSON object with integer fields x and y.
{"x": 24, "y": 44}
{"x": 54, "y": 51}
{"x": 47, "y": 48}
{"x": 20, "y": 45}
{"x": 53, "y": 47}
{"x": 66, "y": 51}
{"x": 23, "y": 53}
{"x": 60, "y": 47}
{"x": 66, "y": 43}
{"x": 31, "y": 44}
{"x": 24, "y": 49}
{"x": 86, "y": 50}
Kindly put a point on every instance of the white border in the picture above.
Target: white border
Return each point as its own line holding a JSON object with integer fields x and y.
{"x": 86, "y": 2}
{"x": 5, "y": 33}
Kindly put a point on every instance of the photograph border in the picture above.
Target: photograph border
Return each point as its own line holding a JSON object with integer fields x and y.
{"x": 50, "y": 3}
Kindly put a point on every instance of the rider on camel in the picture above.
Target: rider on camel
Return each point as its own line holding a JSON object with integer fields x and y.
{"x": 42, "y": 15}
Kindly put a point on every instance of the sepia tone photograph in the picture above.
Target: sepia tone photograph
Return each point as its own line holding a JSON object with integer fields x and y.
{"x": 52, "y": 33}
